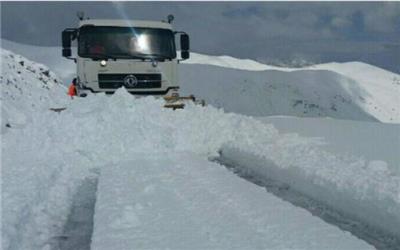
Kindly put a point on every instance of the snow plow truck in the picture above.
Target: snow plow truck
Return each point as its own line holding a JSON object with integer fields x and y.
{"x": 138, "y": 55}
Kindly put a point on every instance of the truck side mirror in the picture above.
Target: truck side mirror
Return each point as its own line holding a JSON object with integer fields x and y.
{"x": 67, "y": 36}
{"x": 185, "y": 45}
{"x": 66, "y": 52}
{"x": 184, "y": 42}
{"x": 185, "y": 55}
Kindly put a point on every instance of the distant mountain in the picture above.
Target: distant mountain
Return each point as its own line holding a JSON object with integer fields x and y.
{"x": 353, "y": 90}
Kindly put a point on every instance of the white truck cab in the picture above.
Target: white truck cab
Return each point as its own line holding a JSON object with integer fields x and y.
{"x": 139, "y": 55}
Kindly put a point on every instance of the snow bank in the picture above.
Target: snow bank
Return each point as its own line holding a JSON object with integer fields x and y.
{"x": 365, "y": 191}
{"x": 372, "y": 141}
{"x": 51, "y": 56}
{"x": 27, "y": 87}
{"x": 37, "y": 180}
{"x": 183, "y": 201}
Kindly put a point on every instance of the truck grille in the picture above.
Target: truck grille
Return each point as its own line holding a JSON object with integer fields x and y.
{"x": 130, "y": 81}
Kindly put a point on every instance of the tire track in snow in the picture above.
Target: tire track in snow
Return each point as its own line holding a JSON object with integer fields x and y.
{"x": 78, "y": 229}
{"x": 360, "y": 229}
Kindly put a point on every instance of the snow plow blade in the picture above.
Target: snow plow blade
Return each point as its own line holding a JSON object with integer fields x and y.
{"x": 178, "y": 102}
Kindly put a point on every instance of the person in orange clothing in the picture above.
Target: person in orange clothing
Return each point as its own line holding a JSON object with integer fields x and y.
{"x": 72, "y": 89}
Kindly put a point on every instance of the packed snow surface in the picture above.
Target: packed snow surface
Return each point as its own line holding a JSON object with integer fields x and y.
{"x": 46, "y": 155}
{"x": 181, "y": 200}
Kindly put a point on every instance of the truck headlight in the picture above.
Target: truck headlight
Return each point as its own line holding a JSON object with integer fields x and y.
{"x": 103, "y": 63}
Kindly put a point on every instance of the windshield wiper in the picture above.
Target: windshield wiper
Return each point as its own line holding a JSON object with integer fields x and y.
{"x": 160, "y": 56}
{"x": 151, "y": 56}
{"x": 103, "y": 56}
{"x": 116, "y": 56}
{"x": 141, "y": 56}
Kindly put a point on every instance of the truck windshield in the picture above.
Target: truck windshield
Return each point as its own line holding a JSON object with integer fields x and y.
{"x": 126, "y": 42}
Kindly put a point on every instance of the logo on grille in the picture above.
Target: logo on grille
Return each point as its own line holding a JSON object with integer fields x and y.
{"x": 130, "y": 81}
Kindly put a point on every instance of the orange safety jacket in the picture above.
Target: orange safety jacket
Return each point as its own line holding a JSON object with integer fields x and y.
{"x": 72, "y": 90}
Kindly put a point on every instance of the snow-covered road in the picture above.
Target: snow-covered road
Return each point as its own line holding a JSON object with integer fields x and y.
{"x": 181, "y": 201}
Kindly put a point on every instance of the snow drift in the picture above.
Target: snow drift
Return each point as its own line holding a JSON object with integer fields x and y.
{"x": 36, "y": 183}
{"x": 26, "y": 87}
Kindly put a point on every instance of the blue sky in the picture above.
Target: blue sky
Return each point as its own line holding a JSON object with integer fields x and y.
{"x": 265, "y": 31}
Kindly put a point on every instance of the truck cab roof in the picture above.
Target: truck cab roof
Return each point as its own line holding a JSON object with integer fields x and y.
{"x": 125, "y": 23}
